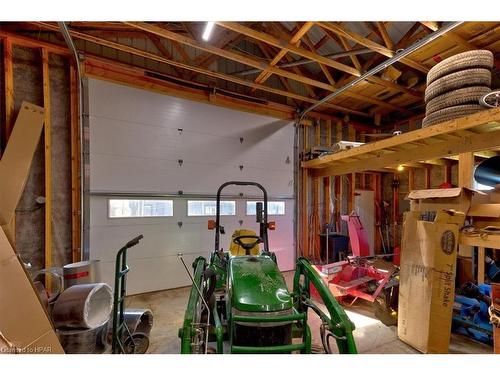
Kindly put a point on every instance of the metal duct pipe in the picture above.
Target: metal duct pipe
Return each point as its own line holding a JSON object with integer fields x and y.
{"x": 337, "y": 55}
{"x": 488, "y": 172}
{"x": 398, "y": 56}
{"x": 72, "y": 48}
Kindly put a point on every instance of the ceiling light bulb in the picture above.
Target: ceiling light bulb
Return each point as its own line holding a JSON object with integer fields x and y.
{"x": 400, "y": 168}
{"x": 208, "y": 30}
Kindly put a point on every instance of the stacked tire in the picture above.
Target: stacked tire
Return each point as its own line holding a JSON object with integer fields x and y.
{"x": 455, "y": 86}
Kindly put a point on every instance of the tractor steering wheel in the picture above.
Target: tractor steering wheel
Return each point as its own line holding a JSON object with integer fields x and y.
{"x": 247, "y": 246}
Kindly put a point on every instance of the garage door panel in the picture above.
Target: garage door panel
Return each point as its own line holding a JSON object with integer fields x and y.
{"x": 135, "y": 147}
{"x": 118, "y": 173}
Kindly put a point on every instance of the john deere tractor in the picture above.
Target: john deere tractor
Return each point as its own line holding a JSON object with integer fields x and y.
{"x": 240, "y": 303}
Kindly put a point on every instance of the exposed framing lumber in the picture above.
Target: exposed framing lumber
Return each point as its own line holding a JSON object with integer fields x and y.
{"x": 260, "y": 64}
{"x": 269, "y": 39}
{"x": 450, "y": 35}
{"x": 48, "y": 164}
{"x": 342, "y": 31}
{"x": 466, "y": 169}
{"x": 226, "y": 77}
{"x": 280, "y": 43}
{"x": 9, "y": 89}
{"x": 385, "y": 35}
{"x": 75, "y": 167}
{"x": 295, "y": 40}
{"x": 161, "y": 48}
{"x": 265, "y": 49}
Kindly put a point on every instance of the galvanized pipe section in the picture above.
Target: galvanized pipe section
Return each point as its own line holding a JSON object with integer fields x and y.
{"x": 72, "y": 48}
{"x": 398, "y": 56}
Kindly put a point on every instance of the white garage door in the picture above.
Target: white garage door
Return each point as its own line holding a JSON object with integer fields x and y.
{"x": 144, "y": 144}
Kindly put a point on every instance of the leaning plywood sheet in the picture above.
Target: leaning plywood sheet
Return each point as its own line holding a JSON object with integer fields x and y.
{"x": 16, "y": 160}
{"x": 24, "y": 325}
{"x": 427, "y": 280}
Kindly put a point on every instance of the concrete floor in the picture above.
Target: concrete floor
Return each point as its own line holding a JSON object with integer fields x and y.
{"x": 371, "y": 336}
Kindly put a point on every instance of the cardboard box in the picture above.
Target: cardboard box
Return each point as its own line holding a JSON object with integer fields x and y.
{"x": 24, "y": 325}
{"x": 433, "y": 200}
{"x": 427, "y": 280}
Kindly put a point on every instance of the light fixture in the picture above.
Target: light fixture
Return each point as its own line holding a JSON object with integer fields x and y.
{"x": 401, "y": 168}
{"x": 208, "y": 31}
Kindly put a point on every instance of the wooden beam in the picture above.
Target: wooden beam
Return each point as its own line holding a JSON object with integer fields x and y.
{"x": 226, "y": 77}
{"x": 295, "y": 40}
{"x": 451, "y": 35}
{"x": 342, "y": 31}
{"x": 385, "y": 35}
{"x": 269, "y": 39}
{"x": 48, "y": 164}
{"x": 324, "y": 68}
{"x": 265, "y": 49}
{"x": 465, "y": 169}
{"x": 75, "y": 167}
{"x": 278, "y": 42}
{"x": 161, "y": 48}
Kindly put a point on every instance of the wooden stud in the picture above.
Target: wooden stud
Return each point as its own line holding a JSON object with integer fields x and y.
{"x": 9, "y": 111}
{"x": 326, "y": 180}
{"x": 226, "y": 77}
{"x": 480, "y": 264}
{"x": 428, "y": 178}
{"x": 9, "y": 88}
{"x": 411, "y": 179}
{"x": 75, "y": 167}
{"x": 447, "y": 174}
{"x": 465, "y": 169}
{"x": 48, "y": 165}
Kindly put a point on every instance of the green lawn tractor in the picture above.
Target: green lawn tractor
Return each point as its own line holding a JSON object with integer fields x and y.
{"x": 240, "y": 303}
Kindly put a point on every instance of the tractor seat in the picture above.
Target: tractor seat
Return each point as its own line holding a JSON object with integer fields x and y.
{"x": 236, "y": 250}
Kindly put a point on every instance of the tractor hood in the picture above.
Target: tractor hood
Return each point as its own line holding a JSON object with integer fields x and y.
{"x": 256, "y": 285}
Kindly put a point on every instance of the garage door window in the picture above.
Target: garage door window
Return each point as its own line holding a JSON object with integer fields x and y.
{"x": 208, "y": 208}
{"x": 123, "y": 208}
{"x": 273, "y": 208}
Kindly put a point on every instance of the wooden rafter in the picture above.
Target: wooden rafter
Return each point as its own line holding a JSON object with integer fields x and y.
{"x": 385, "y": 35}
{"x": 374, "y": 46}
{"x": 450, "y": 35}
{"x": 161, "y": 48}
{"x": 294, "y": 40}
{"x": 341, "y": 41}
{"x": 258, "y": 64}
{"x": 226, "y": 77}
{"x": 265, "y": 49}
{"x": 280, "y": 43}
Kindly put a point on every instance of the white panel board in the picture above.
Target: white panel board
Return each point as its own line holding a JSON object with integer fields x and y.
{"x": 135, "y": 147}
{"x": 364, "y": 203}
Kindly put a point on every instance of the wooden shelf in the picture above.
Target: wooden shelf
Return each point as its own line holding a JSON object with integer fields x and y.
{"x": 477, "y": 132}
{"x": 491, "y": 241}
